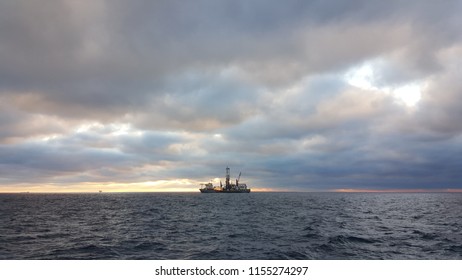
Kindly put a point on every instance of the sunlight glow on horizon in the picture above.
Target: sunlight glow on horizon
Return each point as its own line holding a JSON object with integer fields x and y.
{"x": 182, "y": 185}
{"x": 175, "y": 185}
{"x": 448, "y": 190}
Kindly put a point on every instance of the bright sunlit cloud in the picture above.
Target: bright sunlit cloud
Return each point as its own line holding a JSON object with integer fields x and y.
{"x": 363, "y": 77}
{"x": 409, "y": 94}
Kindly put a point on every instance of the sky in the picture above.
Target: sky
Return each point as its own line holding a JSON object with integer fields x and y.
{"x": 164, "y": 95}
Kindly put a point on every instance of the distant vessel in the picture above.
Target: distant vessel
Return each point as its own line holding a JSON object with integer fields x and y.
{"x": 227, "y": 188}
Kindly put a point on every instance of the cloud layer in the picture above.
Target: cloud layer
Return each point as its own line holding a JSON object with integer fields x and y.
{"x": 299, "y": 95}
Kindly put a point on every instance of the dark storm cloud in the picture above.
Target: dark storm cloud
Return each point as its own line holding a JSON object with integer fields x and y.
{"x": 132, "y": 91}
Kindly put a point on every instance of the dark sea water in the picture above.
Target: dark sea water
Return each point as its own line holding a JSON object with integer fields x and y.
{"x": 231, "y": 226}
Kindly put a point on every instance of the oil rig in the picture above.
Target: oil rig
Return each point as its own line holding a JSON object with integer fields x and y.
{"x": 228, "y": 187}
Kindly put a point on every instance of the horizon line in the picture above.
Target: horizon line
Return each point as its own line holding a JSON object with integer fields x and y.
{"x": 255, "y": 191}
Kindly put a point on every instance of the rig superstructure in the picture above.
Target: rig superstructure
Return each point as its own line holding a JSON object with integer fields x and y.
{"x": 228, "y": 187}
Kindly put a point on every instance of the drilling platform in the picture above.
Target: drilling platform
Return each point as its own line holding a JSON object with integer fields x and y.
{"x": 228, "y": 187}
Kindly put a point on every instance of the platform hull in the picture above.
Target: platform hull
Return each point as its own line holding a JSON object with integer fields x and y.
{"x": 224, "y": 191}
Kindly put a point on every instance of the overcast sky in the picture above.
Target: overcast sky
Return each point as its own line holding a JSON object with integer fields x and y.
{"x": 163, "y": 95}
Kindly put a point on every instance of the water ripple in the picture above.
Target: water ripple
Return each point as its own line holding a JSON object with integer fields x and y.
{"x": 231, "y": 226}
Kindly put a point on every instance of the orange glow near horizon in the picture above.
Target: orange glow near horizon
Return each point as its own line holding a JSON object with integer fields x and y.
{"x": 396, "y": 190}
{"x": 180, "y": 185}
{"x": 176, "y": 185}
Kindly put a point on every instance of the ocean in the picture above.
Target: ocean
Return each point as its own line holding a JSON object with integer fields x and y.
{"x": 154, "y": 226}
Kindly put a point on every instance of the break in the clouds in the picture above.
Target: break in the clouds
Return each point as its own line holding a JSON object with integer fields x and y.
{"x": 162, "y": 95}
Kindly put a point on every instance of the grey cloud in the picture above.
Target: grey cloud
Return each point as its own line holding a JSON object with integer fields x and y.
{"x": 35, "y": 163}
{"x": 202, "y": 101}
{"x": 16, "y": 125}
{"x": 87, "y": 157}
{"x": 139, "y": 39}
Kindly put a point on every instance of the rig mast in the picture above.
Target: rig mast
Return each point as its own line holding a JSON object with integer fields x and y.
{"x": 227, "y": 178}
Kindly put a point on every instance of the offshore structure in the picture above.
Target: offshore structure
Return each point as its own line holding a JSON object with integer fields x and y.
{"x": 227, "y": 188}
